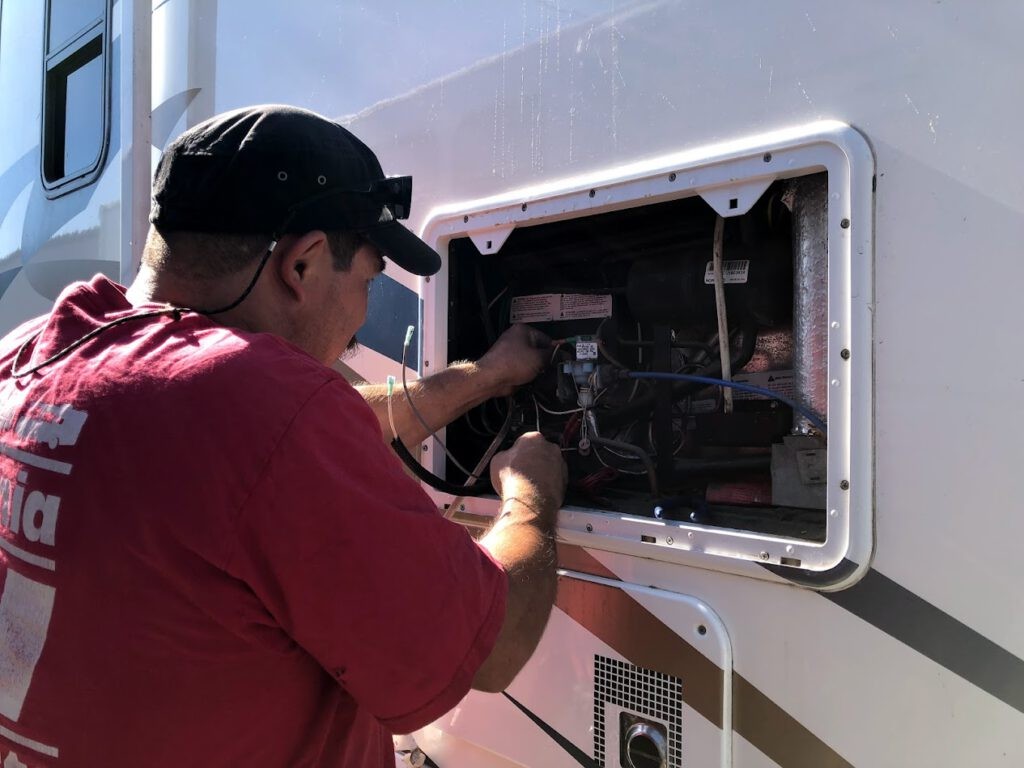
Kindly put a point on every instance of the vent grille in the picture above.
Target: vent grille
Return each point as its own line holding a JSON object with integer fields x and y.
{"x": 642, "y": 691}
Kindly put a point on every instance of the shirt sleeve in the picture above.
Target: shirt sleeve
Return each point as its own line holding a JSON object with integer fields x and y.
{"x": 356, "y": 564}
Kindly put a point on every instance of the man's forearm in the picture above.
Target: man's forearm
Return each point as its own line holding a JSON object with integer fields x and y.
{"x": 523, "y": 541}
{"x": 440, "y": 399}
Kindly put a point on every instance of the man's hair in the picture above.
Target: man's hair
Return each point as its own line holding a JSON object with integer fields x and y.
{"x": 210, "y": 255}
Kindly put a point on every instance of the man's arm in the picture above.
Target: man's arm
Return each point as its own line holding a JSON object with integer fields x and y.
{"x": 516, "y": 358}
{"x": 531, "y": 479}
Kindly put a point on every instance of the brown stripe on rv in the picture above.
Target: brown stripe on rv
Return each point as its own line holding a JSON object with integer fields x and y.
{"x": 776, "y": 733}
{"x": 637, "y": 635}
{"x": 574, "y": 558}
{"x": 641, "y": 638}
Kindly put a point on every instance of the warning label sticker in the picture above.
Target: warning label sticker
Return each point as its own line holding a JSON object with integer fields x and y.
{"x": 734, "y": 271}
{"x": 780, "y": 382}
{"x": 544, "y": 307}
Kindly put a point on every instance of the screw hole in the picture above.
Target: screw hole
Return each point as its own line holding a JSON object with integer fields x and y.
{"x": 734, "y": 203}
{"x": 671, "y": 177}
{"x": 593, "y": 192}
{"x": 465, "y": 219}
{"x": 767, "y": 157}
{"x": 524, "y": 206}
{"x": 845, "y": 223}
{"x": 282, "y": 176}
{"x": 488, "y": 245}
{"x": 590, "y": 528}
{"x": 702, "y": 630}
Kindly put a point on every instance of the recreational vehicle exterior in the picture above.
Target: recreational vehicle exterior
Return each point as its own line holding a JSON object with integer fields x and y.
{"x": 804, "y": 557}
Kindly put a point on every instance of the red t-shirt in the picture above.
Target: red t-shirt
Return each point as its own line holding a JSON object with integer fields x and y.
{"x": 208, "y": 556}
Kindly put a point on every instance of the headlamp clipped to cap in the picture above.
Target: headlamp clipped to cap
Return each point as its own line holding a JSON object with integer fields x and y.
{"x": 395, "y": 194}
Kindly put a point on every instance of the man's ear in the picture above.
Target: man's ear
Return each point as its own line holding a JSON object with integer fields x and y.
{"x": 303, "y": 258}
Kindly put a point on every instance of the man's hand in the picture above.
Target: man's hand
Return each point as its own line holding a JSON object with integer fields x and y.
{"x": 533, "y": 471}
{"x": 519, "y": 354}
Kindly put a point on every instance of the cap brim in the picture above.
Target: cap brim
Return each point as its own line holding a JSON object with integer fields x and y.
{"x": 404, "y": 248}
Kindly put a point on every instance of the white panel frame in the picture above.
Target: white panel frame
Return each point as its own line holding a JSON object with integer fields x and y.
{"x": 739, "y": 169}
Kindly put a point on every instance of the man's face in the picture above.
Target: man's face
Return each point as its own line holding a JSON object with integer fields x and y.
{"x": 346, "y": 303}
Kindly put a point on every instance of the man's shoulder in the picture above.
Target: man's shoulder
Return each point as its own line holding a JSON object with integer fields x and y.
{"x": 252, "y": 366}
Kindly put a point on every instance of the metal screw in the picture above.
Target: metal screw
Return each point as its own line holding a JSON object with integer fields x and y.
{"x": 669, "y": 540}
{"x": 462, "y": 507}
{"x": 524, "y": 206}
{"x": 702, "y": 630}
{"x": 590, "y": 528}
{"x": 426, "y": 447}
{"x": 767, "y": 157}
{"x": 465, "y": 219}
{"x": 764, "y": 555}
{"x": 844, "y": 484}
{"x": 845, "y": 223}
{"x": 845, "y": 354}
{"x": 671, "y": 177}
{"x": 593, "y": 192}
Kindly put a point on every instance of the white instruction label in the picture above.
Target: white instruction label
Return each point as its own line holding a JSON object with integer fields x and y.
{"x": 780, "y": 382}
{"x": 734, "y": 271}
{"x": 586, "y": 350}
{"x": 543, "y": 307}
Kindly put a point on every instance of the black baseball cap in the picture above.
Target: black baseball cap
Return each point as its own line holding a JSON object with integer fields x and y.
{"x": 281, "y": 169}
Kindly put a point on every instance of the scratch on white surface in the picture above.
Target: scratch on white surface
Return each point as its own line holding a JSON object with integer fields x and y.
{"x": 804, "y": 92}
{"x": 615, "y": 85}
{"x": 911, "y": 103}
{"x": 498, "y": 147}
{"x": 771, "y": 74}
{"x": 558, "y": 37}
{"x": 892, "y": 31}
{"x": 932, "y": 121}
{"x": 668, "y": 101}
{"x": 808, "y": 17}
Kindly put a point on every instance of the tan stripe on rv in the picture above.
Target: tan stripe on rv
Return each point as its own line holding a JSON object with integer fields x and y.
{"x": 640, "y": 637}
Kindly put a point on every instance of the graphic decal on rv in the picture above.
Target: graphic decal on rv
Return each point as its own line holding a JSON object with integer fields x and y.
{"x": 644, "y": 640}
{"x": 913, "y": 621}
{"x": 575, "y": 752}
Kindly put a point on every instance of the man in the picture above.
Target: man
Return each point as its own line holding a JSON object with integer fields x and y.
{"x": 210, "y": 556}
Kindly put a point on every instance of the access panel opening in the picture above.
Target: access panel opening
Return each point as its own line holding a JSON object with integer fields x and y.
{"x": 645, "y": 325}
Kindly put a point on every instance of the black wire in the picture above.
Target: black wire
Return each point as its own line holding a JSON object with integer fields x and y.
{"x": 176, "y": 312}
{"x": 480, "y": 488}
{"x": 248, "y": 289}
{"x": 16, "y": 374}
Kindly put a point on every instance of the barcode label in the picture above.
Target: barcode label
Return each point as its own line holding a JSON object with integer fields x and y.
{"x": 734, "y": 271}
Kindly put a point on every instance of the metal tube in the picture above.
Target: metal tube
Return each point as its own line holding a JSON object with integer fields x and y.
{"x": 810, "y": 298}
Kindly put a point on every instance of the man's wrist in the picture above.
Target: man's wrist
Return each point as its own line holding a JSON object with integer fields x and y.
{"x": 524, "y": 497}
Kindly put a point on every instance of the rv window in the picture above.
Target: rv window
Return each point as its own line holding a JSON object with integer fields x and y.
{"x": 75, "y": 94}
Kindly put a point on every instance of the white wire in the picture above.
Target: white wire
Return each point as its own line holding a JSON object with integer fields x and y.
{"x": 723, "y": 324}
{"x": 495, "y": 299}
{"x": 391, "y": 413}
{"x": 597, "y": 453}
{"x": 549, "y": 412}
{"x": 412, "y": 406}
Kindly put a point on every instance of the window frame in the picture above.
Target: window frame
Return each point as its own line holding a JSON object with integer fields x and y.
{"x": 54, "y": 101}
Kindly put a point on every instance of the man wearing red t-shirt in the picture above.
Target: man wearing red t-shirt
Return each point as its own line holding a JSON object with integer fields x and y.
{"x": 208, "y": 554}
